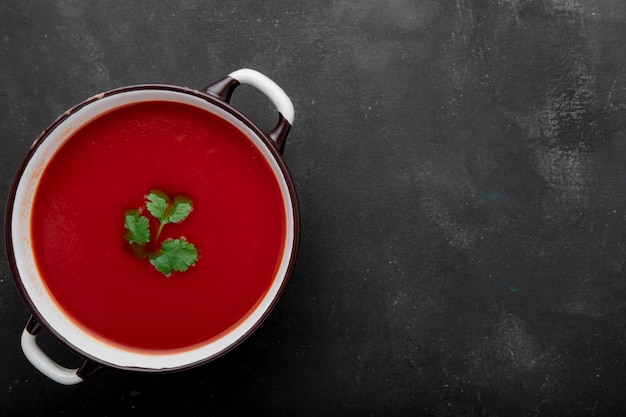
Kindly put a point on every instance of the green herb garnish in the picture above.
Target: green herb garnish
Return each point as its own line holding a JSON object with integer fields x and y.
{"x": 159, "y": 206}
{"x": 174, "y": 254}
{"x": 138, "y": 228}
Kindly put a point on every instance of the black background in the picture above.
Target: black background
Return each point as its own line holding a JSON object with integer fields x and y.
{"x": 460, "y": 166}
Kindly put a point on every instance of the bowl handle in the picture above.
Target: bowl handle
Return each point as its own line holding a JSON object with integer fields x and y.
{"x": 223, "y": 89}
{"x": 47, "y": 366}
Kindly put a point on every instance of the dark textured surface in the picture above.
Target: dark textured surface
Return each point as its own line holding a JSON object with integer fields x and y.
{"x": 461, "y": 171}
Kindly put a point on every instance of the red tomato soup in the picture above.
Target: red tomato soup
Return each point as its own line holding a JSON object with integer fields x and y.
{"x": 107, "y": 168}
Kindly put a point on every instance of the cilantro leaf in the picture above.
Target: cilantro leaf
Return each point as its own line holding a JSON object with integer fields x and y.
{"x": 138, "y": 228}
{"x": 181, "y": 209}
{"x": 175, "y": 255}
{"x": 157, "y": 204}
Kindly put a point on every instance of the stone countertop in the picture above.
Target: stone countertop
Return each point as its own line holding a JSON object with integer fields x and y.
{"x": 460, "y": 170}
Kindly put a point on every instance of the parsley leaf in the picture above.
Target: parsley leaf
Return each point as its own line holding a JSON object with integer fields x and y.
{"x": 138, "y": 228}
{"x": 175, "y": 255}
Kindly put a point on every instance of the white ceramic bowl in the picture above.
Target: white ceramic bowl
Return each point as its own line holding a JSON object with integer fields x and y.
{"x": 45, "y": 312}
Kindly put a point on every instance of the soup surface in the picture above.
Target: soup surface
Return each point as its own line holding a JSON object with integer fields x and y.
{"x": 106, "y": 169}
